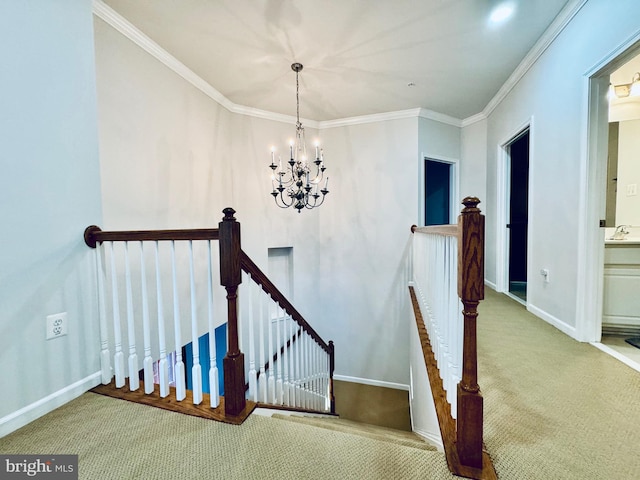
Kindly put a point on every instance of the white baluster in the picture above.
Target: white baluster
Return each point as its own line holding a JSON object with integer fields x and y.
{"x": 278, "y": 361}
{"x": 262, "y": 359}
{"x": 292, "y": 359}
{"x": 180, "y": 379}
{"x": 453, "y": 319}
{"x": 272, "y": 383}
{"x": 196, "y": 369}
{"x": 305, "y": 370}
{"x": 298, "y": 365}
{"x": 118, "y": 359}
{"x": 319, "y": 355}
{"x": 285, "y": 361}
{"x": 146, "y": 329}
{"x": 105, "y": 355}
{"x": 134, "y": 379}
{"x": 214, "y": 391}
{"x": 163, "y": 366}
{"x": 253, "y": 380}
{"x": 314, "y": 391}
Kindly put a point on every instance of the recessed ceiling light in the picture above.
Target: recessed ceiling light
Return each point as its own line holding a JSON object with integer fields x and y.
{"x": 502, "y": 12}
{"x": 411, "y": 84}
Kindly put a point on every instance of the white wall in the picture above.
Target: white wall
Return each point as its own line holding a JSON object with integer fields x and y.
{"x": 473, "y": 164}
{"x": 553, "y": 92}
{"x": 49, "y": 193}
{"x": 628, "y": 206}
{"x": 363, "y": 243}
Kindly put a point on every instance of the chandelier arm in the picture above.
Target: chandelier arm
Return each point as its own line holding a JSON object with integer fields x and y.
{"x": 282, "y": 200}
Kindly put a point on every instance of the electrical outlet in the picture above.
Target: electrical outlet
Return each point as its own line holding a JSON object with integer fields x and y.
{"x": 56, "y": 325}
{"x": 632, "y": 189}
{"x": 545, "y": 273}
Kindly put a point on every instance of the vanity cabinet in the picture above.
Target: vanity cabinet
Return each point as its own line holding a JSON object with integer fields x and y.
{"x": 621, "y": 303}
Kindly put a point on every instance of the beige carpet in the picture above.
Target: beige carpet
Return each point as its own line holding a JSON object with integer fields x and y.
{"x": 116, "y": 439}
{"x": 554, "y": 409}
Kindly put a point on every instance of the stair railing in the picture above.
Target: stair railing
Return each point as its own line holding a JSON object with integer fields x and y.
{"x": 298, "y": 370}
{"x": 181, "y": 265}
{"x": 447, "y": 283}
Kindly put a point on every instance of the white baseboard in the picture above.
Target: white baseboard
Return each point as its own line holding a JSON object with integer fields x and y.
{"x": 491, "y": 285}
{"x": 368, "y": 381}
{"x": 25, "y": 415}
{"x": 433, "y": 439}
{"x": 559, "y": 324}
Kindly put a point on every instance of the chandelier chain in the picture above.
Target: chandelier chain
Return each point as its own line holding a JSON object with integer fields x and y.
{"x": 297, "y": 101}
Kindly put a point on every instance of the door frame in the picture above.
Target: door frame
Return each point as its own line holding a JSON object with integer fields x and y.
{"x": 502, "y": 207}
{"x": 454, "y": 201}
{"x": 590, "y": 286}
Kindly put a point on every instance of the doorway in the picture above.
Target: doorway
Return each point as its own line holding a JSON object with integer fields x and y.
{"x": 518, "y": 215}
{"x": 438, "y": 191}
{"x": 590, "y": 304}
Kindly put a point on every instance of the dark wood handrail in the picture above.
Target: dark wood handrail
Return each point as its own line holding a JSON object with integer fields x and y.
{"x": 446, "y": 230}
{"x": 94, "y": 235}
{"x": 267, "y": 285}
{"x": 232, "y": 261}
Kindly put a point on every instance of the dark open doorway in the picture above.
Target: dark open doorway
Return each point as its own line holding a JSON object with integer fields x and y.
{"x": 437, "y": 192}
{"x": 518, "y": 213}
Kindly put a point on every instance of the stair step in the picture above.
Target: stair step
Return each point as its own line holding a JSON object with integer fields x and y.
{"x": 398, "y": 437}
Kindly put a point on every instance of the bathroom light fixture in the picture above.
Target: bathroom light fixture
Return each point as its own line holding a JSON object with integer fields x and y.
{"x": 627, "y": 89}
{"x": 301, "y": 189}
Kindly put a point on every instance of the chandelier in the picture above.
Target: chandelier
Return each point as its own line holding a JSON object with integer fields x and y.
{"x": 293, "y": 185}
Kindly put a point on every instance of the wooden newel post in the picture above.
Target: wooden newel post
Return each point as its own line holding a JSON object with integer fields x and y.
{"x": 471, "y": 291}
{"x": 332, "y": 366}
{"x": 230, "y": 278}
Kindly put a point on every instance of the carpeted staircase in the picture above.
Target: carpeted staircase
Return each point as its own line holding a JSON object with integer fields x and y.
{"x": 374, "y": 432}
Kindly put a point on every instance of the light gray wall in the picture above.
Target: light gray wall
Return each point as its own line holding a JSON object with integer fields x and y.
{"x": 363, "y": 242}
{"x": 49, "y": 193}
{"x": 473, "y": 164}
{"x": 554, "y": 94}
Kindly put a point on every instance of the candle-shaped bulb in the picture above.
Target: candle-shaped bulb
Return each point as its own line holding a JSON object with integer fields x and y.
{"x": 326, "y": 183}
{"x": 317, "y": 153}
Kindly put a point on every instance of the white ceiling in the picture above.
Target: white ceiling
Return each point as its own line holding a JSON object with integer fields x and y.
{"x": 359, "y": 55}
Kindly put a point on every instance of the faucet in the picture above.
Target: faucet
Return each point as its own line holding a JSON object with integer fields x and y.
{"x": 621, "y": 232}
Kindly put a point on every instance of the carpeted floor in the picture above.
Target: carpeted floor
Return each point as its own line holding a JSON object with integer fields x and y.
{"x": 116, "y": 439}
{"x": 554, "y": 409}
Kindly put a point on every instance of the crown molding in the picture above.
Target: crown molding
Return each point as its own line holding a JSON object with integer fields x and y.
{"x": 126, "y": 28}
{"x": 557, "y": 26}
{"x": 440, "y": 117}
{"x": 478, "y": 117}
{"x": 373, "y": 118}
{"x": 122, "y": 25}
